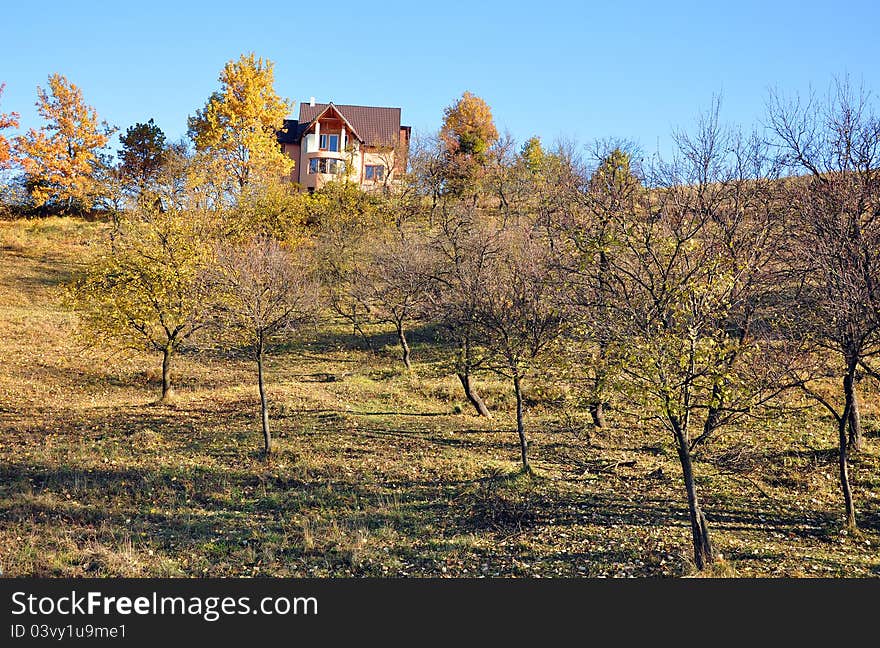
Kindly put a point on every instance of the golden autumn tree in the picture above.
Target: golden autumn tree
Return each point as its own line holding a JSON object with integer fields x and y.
{"x": 144, "y": 290}
{"x": 237, "y": 129}
{"x": 7, "y": 120}
{"x": 59, "y": 158}
{"x": 468, "y": 126}
{"x": 467, "y": 134}
{"x": 533, "y": 155}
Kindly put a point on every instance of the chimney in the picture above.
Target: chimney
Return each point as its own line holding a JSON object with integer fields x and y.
{"x": 312, "y": 101}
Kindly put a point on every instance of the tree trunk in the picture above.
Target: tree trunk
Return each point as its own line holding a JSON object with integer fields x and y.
{"x": 520, "y": 427}
{"x": 264, "y": 405}
{"x": 843, "y": 458}
{"x": 713, "y": 413}
{"x": 597, "y": 411}
{"x": 167, "y": 387}
{"x": 855, "y": 419}
{"x": 704, "y": 553}
{"x": 359, "y": 331}
{"x": 472, "y": 395}
{"x": 401, "y": 337}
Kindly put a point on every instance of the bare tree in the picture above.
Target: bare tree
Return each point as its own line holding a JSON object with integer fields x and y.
{"x": 688, "y": 278}
{"x": 520, "y": 312}
{"x": 184, "y": 183}
{"x": 395, "y": 159}
{"x": 558, "y": 185}
{"x": 345, "y": 219}
{"x": 426, "y": 169}
{"x": 463, "y": 252}
{"x": 584, "y": 217}
{"x": 732, "y": 180}
{"x": 508, "y": 178}
{"x": 393, "y": 282}
{"x": 835, "y": 210}
{"x": 262, "y": 290}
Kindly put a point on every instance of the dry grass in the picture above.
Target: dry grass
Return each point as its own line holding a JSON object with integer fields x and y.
{"x": 378, "y": 472}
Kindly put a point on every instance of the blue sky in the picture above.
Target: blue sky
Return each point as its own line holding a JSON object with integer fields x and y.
{"x": 578, "y": 70}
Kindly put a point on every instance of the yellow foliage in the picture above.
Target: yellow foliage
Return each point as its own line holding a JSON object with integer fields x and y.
{"x": 271, "y": 208}
{"x": 237, "y": 128}
{"x": 144, "y": 290}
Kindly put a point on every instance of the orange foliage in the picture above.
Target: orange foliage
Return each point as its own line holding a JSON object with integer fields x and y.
{"x": 468, "y": 126}
{"x": 58, "y": 158}
{"x": 7, "y": 120}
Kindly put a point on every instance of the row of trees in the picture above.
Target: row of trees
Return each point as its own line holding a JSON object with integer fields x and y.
{"x": 694, "y": 291}
{"x": 687, "y": 295}
{"x": 64, "y": 166}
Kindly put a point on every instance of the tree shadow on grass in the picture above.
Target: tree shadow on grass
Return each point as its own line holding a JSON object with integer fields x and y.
{"x": 425, "y": 340}
{"x": 36, "y": 275}
{"x": 397, "y": 413}
{"x": 182, "y": 510}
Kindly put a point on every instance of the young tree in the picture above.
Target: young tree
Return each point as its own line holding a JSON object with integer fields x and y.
{"x": 532, "y": 154}
{"x": 141, "y": 157}
{"x": 393, "y": 283}
{"x": 587, "y": 233}
{"x": 59, "y": 159}
{"x": 145, "y": 291}
{"x": 7, "y": 120}
{"x": 507, "y": 178}
{"x": 185, "y": 183}
{"x": 238, "y": 126}
{"x": 271, "y": 209}
{"x": 261, "y": 290}
{"x": 112, "y": 197}
{"x": 426, "y": 163}
{"x": 394, "y": 158}
{"x": 835, "y": 210}
{"x": 558, "y": 188}
{"x": 462, "y": 255}
{"x": 344, "y": 218}
{"x": 520, "y": 312}
{"x": 688, "y": 275}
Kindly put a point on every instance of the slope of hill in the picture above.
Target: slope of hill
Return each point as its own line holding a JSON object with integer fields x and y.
{"x": 378, "y": 472}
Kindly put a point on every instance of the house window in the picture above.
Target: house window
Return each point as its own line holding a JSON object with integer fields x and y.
{"x": 335, "y": 166}
{"x": 375, "y": 172}
{"x": 331, "y": 166}
{"x": 329, "y": 142}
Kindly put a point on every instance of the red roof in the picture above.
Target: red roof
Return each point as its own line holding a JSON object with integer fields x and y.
{"x": 376, "y": 126}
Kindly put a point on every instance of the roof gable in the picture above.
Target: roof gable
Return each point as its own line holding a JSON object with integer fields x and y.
{"x": 332, "y": 107}
{"x": 375, "y": 126}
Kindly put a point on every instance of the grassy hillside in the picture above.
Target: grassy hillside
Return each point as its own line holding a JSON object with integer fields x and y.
{"x": 377, "y": 472}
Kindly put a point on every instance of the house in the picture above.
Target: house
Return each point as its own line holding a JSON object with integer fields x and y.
{"x": 329, "y": 141}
